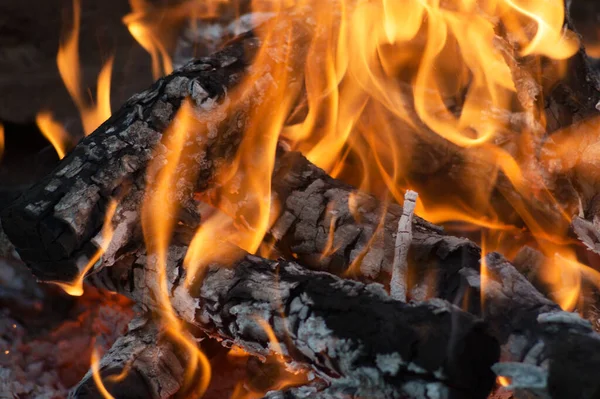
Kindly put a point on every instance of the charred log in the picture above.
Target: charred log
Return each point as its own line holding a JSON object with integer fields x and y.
{"x": 76, "y": 194}
{"x": 65, "y": 210}
{"x": 349, "y": 333}
{"x": 531, "y": 328}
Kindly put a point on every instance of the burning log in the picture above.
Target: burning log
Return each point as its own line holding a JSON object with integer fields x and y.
{"x": 349, "y": 333}
{"x": 325, "y": 225}
{"x": 532, "y": 329}
{"x": 141, "y": 363}
{"x": 113, "y": 157}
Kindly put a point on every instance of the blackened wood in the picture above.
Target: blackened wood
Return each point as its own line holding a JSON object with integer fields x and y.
{"x": 151, "y": 367}
{"x": 364, "y": 229}
{"x": 530, "y": 327}
{"x": 51, "y": 225}
{"x": 346, "y": 331}
{"x": 548, "y": 352}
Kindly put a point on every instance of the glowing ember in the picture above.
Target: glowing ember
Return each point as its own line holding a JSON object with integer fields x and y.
{"x": 503, "y": 381}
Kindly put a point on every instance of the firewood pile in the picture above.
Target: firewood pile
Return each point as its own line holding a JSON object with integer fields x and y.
{"x": 221, "y": 235}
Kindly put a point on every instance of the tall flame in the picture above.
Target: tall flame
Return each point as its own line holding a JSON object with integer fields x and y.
{"x": 158, "y": 228}
{"x": 67, "y": 59}
{"x": 382, "y": 80}
{"x": 95, "y": 362}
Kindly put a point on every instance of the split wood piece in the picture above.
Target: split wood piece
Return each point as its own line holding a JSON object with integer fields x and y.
{"x": 150, "y": 366}
{"x": 347, "y": 332}
{"x": 443, "y": 266}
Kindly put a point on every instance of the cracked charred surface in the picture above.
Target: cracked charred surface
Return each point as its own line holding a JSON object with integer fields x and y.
{"x": 351, "y": 334}
{"x": 364, "y": 229}
{"x": 53, "y": 223}
{"x": 530, "y": 327}
{"x": 154, "y": 367}
{"x": 548, "y": 352}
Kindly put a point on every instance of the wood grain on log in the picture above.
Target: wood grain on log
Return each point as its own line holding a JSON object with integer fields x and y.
{"x": 349, "y": 333}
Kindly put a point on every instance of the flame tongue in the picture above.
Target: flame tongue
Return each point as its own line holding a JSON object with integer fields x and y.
{"x": 67, "y": 59}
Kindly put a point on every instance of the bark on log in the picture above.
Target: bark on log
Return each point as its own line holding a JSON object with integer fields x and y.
{"x": 364, "y": 229}
{"x": 53, "y": 224}
{"x": 152, "y": 366}
{"x": 65, "y": 210}
{"x": 348, "y": 332}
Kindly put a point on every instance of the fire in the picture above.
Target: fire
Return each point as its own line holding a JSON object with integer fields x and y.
{"x": 163, "y": 178}
{"x": 67, "y": 59}
{"x": 54, "y": 132}
{"x": 95, "y": 362}
{"x": 75, "y": 287}
{"x": 503, "y": 381}
{"x": 382, "y": 79}
{"x": 155, "y": 27}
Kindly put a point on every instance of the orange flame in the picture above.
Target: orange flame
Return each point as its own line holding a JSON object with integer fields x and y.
{"x": 382, "y": 80}
{"x": 503, "y": 381}
{"x": 69, "y": 67}
{"x": 158, "y": 228}
{"x": 75, "y": 287}
{"x": 95, "y": 362}
{"x": 155, "y": 27}
{"x": 54, "y": 132}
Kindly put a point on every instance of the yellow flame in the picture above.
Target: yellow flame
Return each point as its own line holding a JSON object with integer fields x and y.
{"x": 158, "y": 228}
{"x": 503, "y": 381}
{"x": 419, "y": 94}
{"x": 95, "y": 362}
{"x": 153, "y": 46}
{"x": 155, "y": 26}
{"x": 75, "y": 287}
{"x": 244, "y": 185}
{"x": 67, "y": 60}
{"x": 54, "y": 132}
